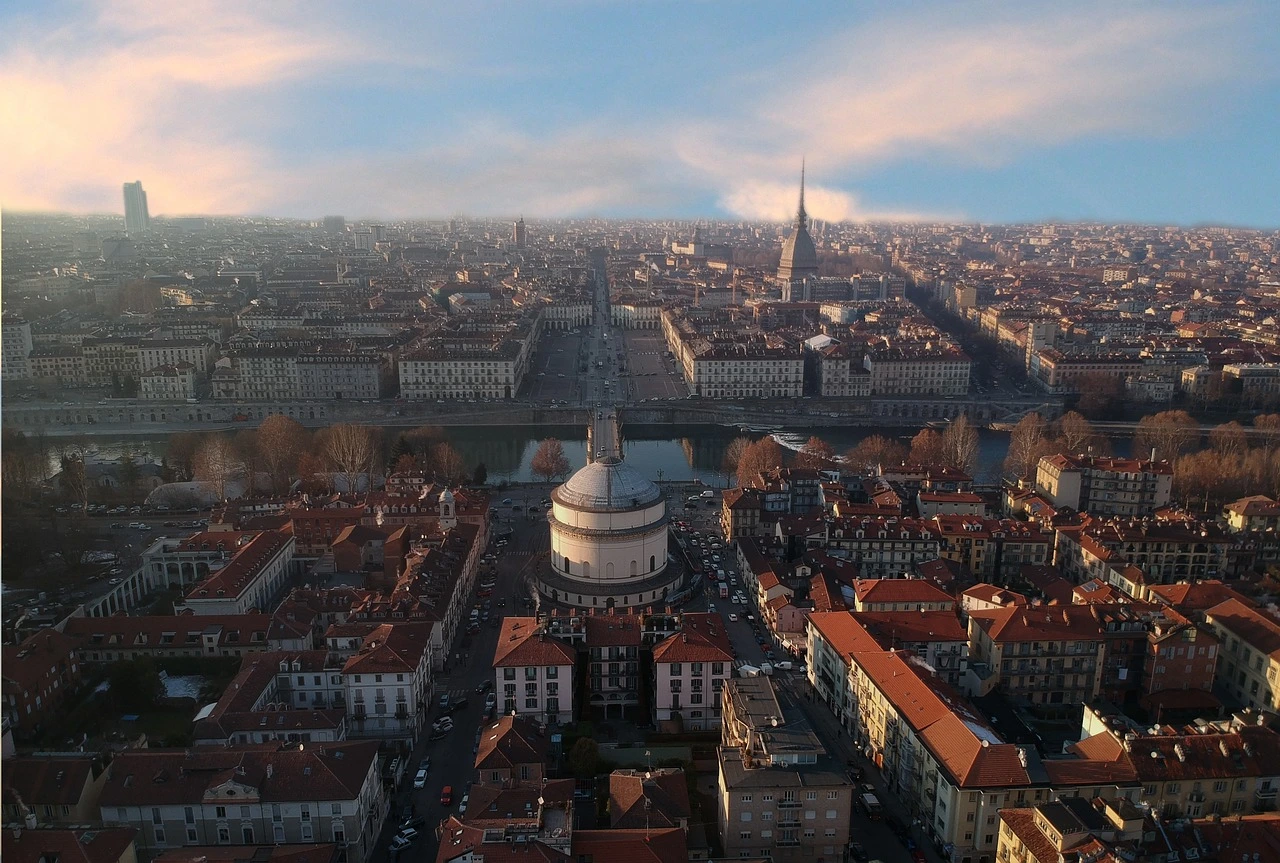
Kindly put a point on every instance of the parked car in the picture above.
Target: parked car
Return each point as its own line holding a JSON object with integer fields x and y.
{"x": 420, "y": 780}
{"x": 416, "y": 822}
{"x": 446, "y": 796}
{"x": 408, "y": 834}
{"x": 399, "y": 843}
{"x": 460, "y": 704}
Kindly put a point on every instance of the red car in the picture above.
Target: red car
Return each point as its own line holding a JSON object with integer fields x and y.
{"x": 446, "y": 796}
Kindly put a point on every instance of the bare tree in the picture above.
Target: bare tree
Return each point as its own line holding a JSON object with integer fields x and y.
{"x": 1168, "y": 433}
{"x": 762, "y": 456}
{"x": 281, "y": 441}
{"x": 1029, "y": 440}
{"x": 733, "y": 453}
{"x": 217, "y": 463}
{"x": 1229, "y": 440}
{"x": 1076, "y": 433}
{"x": 351, "y": 451}
{"x": 960, "y": 445}
{"x": 926, "y": 448}
{"x": 875, "y": 451}
{"x": 1269, "y": 424}
{"x": 549, "y": 461}
{"x": 1100, "y": 395}
{"x": 180, "y": 453}
{"x": 816, "y": 454}
{"x": 447, "y": 463}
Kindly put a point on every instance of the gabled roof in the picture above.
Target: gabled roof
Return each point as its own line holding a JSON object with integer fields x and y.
{"x": 702, "y": 638}
{"x": 510, "y": 741}
{"x": 522, "y": 643}
{"x": 391, "y": 648}
{"x": 899, "y": 590}
{"x": 47, "y": 780}
{"x": 67, "y": 846}
{"x": 1260, "y": 631}
{"x": 665, "y": 790}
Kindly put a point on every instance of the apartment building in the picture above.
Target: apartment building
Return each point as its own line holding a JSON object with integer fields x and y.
{"x": 745, "y": 370}
{"x": 1060, "y": 372}
{"x": 1249, "y": 655}
{"x": 62, "y": 365}
{"x": 1162, "y": 552}
{"x": 168, "y": 382}
{"x": 37, "y": 673}
{"x": 1070, "y": 826}
{"x": 533, "y": 671}
{"x": 117, "y": 637}
{"x": 690, "y": 670}
{"x": 513, "y": 751}
{"x": 937, "y": 637}
{"x": 388, "y": 682}
{"x": 338, "y": 376}
{"x": 15, "y": 337}
{"x": 284, "y": 696}
{"x": 1254, "y": 513}
{"x": 1103, "y": 485}
{"x": 253, "y": 795}
{"x": 993, "y": 549}
{"x": 782, "y": 796}
{"x": 899, "y": 594}
{"x": 918, "y": 370}
{"x": 883, "y": 547}
{"x": 55, "y": 788}
{"x": 197, "y": 353}
{"x": 842, "y": 372}
{"x": 251, "y": 579}
{"x": 1050, "y": 656}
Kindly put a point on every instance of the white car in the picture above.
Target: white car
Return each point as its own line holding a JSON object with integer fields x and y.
{"x": 420, "y": 780}
{"x": 733, "y": 618}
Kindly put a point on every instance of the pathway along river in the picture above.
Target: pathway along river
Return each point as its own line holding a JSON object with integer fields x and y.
{"x": 659, "y": 452}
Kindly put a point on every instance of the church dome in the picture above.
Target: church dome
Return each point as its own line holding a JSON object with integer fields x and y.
{"x": 608, "y": 485}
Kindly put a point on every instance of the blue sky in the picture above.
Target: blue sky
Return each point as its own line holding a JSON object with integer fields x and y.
{"x": 1164, "y": 112}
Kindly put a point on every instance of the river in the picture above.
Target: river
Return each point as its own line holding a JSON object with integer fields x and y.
{"x": 659, "y": 452}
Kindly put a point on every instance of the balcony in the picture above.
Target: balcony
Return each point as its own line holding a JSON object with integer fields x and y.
{"x": 788, "y": 804}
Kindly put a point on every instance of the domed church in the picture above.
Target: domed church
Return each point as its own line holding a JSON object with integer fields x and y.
{"x": 799, "y": 255}
{"x": 608, "y": 532}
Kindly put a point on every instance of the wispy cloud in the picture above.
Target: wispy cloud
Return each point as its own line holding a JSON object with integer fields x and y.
{"x": 192, "y": 98}
{"x": 975, "y": 84}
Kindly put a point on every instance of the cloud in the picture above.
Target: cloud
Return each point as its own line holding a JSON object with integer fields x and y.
{"x": 198, "y": 100}
{"x": 975, "y": 84}
{"x": 157, "y": 90}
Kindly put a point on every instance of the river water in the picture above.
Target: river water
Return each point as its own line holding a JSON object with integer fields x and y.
{"x": 659, "y": 452}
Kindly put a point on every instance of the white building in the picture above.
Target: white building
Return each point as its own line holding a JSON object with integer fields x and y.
{"x": 533, "y": 672}
{"x": 388, "y": 681}
{"x": 16, "y": 339}
{"x": 255, "y": 575}
{"x": 168, "y": 383}
{"x": 338, "y": 376}
{"x": 690, "y": 669}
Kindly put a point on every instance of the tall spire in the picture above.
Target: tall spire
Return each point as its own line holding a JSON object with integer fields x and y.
{"x": 801, "y": 216}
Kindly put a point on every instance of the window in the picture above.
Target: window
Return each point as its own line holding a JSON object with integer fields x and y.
{"x": 809, "y": 815}
{"x": 220, "y": 811}
{"x": 159, "y": 835}
{"x": 811, "y": 795}
{"x": 335, "y": 809}
{"x": 155, "y": 816}
{"x": 275, "y": 811}
{"x": 224, "y": 835}
{"x": 531, "y": 704}
{"x": 551, "y": 672}
{"x": 766, "y": 816}
{"x": 508, "y": 674}
{"x": 192, "y": 838}
{"x": 746, "y": 816}
{"x": 744, "y": 834}
{"x": 833, "y": 795}
{"x": 831, "y": 814}
{"x": 306, "y": 812}
{"x": 246, "y": 833}
{"x": 746, "y": 798}
{"x": 244, "y": 811}
{"x": 306, "y": 831}
{"x": 188, "y": 815}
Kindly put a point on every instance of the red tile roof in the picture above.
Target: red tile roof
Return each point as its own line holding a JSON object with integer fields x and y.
{"x": 67, "y": 846}
{"x": 510, "y": 741}
{"x": 702, "y": 638}
{"x": 877, "y": 590}
{"x": 1256, "y": 628}
{"x": 522, "y": 643}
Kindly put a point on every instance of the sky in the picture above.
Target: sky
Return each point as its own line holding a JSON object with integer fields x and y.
{"x": 1157, "y": 112}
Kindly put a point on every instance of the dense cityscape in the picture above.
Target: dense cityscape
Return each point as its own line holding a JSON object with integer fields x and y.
{"x": 969, "y": 551}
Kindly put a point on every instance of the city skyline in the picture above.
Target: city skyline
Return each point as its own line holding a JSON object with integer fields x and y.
{"x": 1146, "y": 113}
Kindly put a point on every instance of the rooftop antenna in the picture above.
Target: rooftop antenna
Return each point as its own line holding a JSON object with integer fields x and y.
{"x": 801, "y": 216}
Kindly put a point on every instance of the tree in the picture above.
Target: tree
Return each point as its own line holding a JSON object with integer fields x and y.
{"x": 181, "y": 453}
{"x": 75, "y": 478}
{"x": 733, "y": 454}
{"x": 584, "y": 758}
{"x": 405, "y": 464}
{"x": 447, "y": 464}
{"x": 960, "y": 445}
{"x": 22, "y": 465}
{"x": 217, "y": 463}
{"x": 1168, "y": 433}
{"x": 761, "y": 457}
{"x": 875, "y": 451}
{"x": 1029, "y": 440}
{"x": 480, "y": 475}
{"x": 135, "y": 683}
{"x": 549, "y": 461}
{"x": 281, "y": 441}
{"x": 1269, "y": 424}
{"x": 816, "y": 454}
{"x": 1076, "y": 433}
{"x": 926, "y": 448}
{"x": 250, "y": 453}
{"x": 312, "y": 474}
{"x": 1229, "y": 439}
{"x": 1100, "y": 395}
{"x": 350, "y": 451}
{"x": 399, "y": 450}
{"x": 129, "y": 474}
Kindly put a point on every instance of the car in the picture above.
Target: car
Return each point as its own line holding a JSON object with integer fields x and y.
{"x": 506, "y": 501}
{"x": 408, "y": 834}
{"x": 485, "y": 686}
{"x": 502, "y": 603}
{"x": 420, "y": 780}
{"x": 442, "y": 722}
{"x": 115, "y": 525}
{"x": 490, "y": 701}
{"x": 415, "y": 822}
{"x": 462, "y": 806}
{"x": 917, "y": 856}
{"x": 461, "y": 704}
{"x": 399, "y": 843}
{"x": 437, "y": 735}
{"x": 444, "y": 701}
{"x": 113, "y": 582}
{"x": 407, "y": 812}
{"x": 733, "y": 618}
{"x": 446, "y": 796}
